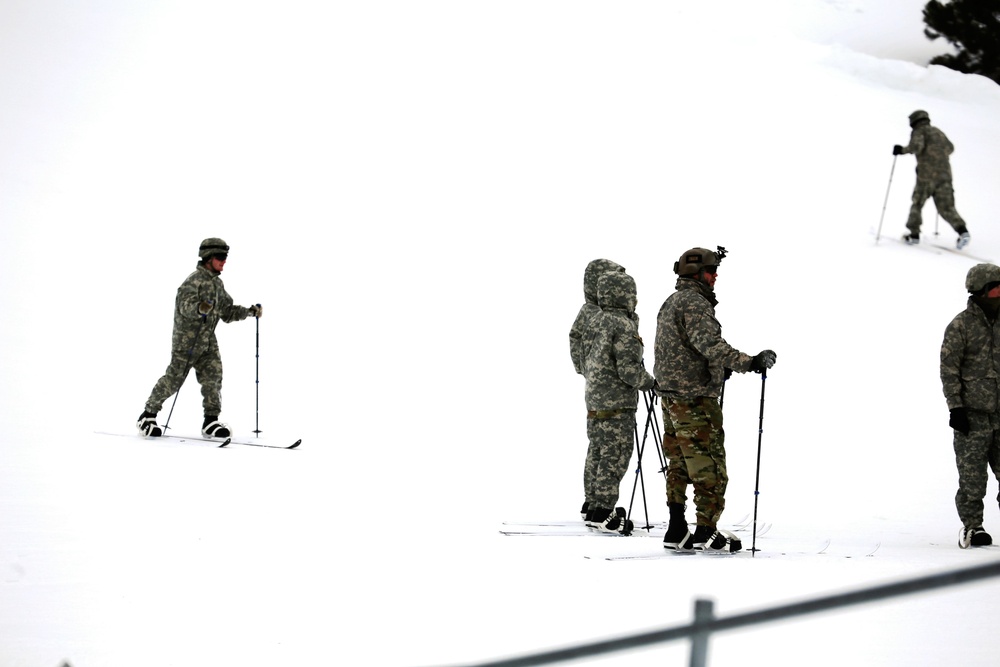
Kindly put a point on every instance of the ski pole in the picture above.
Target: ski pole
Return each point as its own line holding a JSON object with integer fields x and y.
{"x": 257, "y": 377}
{"x": 640, "y": 448}
{"x": 891, "y": 172}
{"x": 756, "y": 487}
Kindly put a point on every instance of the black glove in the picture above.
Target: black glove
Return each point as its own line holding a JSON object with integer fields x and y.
{"x": 897, "y": 150}
{"x": 726, "y": 374}
{"x": 959, "y": 420}
{"x": 764, "y": 360}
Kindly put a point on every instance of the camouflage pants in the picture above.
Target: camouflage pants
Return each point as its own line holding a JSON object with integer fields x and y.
{"x": 973, "y": 453}
{"x": 694, "y": 446}
{"x": 944, "y": 201}
{"x": 207, "y": 366}
{"x": 608, "y": 456}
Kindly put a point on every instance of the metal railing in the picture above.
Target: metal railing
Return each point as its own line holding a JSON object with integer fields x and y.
{"x": 705, "y": 623}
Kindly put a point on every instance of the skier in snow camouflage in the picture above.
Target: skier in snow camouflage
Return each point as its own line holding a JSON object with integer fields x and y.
{"x": 577, "y": 352}
{"x": 615, "y": 374}
{"x": 692, "y": 360}
{"x": 931, "y": 147}
{"x": 201, "y": 302}
{"x": 589, "y": 309}
{"x": 970, "y": 359}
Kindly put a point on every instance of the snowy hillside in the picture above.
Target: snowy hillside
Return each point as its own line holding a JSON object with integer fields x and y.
{"x": 413, "y": 190}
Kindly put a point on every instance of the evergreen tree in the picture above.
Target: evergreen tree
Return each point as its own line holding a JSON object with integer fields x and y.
{"x": 973, "y": 27}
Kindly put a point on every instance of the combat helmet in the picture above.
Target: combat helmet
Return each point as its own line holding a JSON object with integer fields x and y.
{"x": 212, "y": 246}
{"x": 918, "y": 116}
{"x": 694, "y": 260}
{"x": 980, "y": 276}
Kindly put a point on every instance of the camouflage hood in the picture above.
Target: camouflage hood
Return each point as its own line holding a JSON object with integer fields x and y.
{"x": 595, "y": 270}
{"x": 616, "y": 290}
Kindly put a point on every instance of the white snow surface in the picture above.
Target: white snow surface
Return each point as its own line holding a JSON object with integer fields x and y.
{"x": 413, "y": 191}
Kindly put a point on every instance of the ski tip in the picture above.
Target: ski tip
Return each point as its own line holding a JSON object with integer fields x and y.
{"x": 295, "y": 444}
{"x": 225, "y": 442}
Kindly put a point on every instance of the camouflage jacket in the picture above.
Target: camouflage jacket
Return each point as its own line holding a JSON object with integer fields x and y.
{"x": 970, "y": 361}
{"x": 202, "y": 285}
{"x": 931, "y": 147}
{"x": 589, "y": 310}
{"x": 613, "y": 365}
{"x": 690, "y": 353}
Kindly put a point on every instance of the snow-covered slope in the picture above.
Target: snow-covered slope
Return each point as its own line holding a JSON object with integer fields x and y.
{"x": 413, "y": 191}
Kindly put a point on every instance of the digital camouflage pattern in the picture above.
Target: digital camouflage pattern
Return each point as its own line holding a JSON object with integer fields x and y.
{"x": 589, "y": 310}
{"x": 973, "y": 453}
{"x": 970, "y": 378}
{"x": 693, "y": 435}
{"x": 970, "y": 361}
{"x": 193, "y": 343}
{"x": 613, "y": 367}
{"x": 592, "y": 469}
{"x": 615, "y": 373}
{"x": 611, "y": 436}
{"x": 932, "y": 149}
{"x": 690, "y": 354}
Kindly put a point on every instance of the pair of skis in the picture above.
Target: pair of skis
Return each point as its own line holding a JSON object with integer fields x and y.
{"x": 579, "y": 528}
{"x": 823, "y": 549}
{"x": 225, "y": 442}
{"x": 938, "y": 248}
{"x": 218, "y": 442}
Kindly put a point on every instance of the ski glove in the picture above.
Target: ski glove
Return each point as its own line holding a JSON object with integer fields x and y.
{"x": 726, "y": 374}
{"x": 959, "y": 420}
{"x": 256, "y": 310}
{"x": 204, "y": 308}
{"x": 897, "y": 150}
{"x": 764, "y": 360}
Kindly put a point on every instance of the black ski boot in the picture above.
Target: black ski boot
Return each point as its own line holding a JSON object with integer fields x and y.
{"x": 213, "y": 429}
{"x": 678, "y": 536}
{"x": 974, "y": 537}
{"x": 708, "y": 538}
{"x": 147, "y": 425}
{"x": 612, "y": 521}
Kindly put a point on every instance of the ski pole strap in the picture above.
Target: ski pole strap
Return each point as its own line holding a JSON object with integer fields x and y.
{"x": 604, "y": 414}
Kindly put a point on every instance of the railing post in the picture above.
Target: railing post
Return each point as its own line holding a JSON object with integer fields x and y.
{"x": 704, "y": 612}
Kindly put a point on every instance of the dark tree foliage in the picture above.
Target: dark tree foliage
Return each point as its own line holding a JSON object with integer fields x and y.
{"x": 973, "y": 27}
